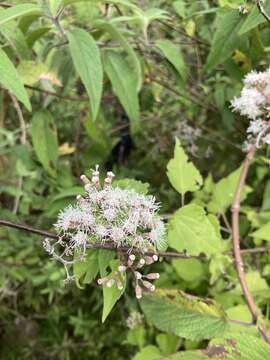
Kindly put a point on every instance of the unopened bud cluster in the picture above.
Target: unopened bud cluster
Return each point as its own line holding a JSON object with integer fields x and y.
{"x": 134, "y": 264}
{"x": 254, "y": 102}
{"x": 106, "y": 214}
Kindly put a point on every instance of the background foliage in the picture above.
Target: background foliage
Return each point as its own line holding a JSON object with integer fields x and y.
{"x": 115, "y": 82}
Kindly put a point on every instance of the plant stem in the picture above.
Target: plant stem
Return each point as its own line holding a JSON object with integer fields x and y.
{"x": 236, "y": 243}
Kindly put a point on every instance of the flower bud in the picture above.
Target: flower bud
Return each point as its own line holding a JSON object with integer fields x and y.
{"x": 119, "y": 285}
{"x": 122, "y": 268}
{"x": 110, "y": 283}
{"x": 85, "y": 179}
{"x": 131, "y": 259}
{"x": 138, "y": 275}
{"x": 155, "y": 257}
{"x": 102, "y": 281}
{"x": 149, "y": 285}
{"x": 138, "y": 292}
{"x": 152, "y": 276}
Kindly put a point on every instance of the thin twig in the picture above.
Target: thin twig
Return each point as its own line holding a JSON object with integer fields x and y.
{"x": 261, "y": 8}
{"x": 23, "y": 142}
{"x": 236, "y": 243}
{"x": 111, "y": 246}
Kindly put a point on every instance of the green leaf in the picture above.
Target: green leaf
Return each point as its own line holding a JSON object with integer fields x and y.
{"x": 257, "y": 285}
{"x": 30, "y": 72}
{"x": 233, "y": 347}
{"x": 168, "y": 343}
{"x": 184, "y": 315}
{"x": 44, "y": 137}
{"x": 19, "y": 10}
{"x": 9, "y": 78}
{"x": 16, "y": 40}
{"x": 54, "y": 6}
{"x": 254, "y": 18}
{"x": 190, "y": 270}
{"x": 263, "y": 233}
{"x": 266, "y": 197}
{"x": 87, "y": 269}
{"x": 174, "y": 56}
{"x": 112, "y": 294}
{"x": 149, "y": 352}
{"x": 191, "y": 229}
{"x": 133, "y": 58}
{"x": 180, "y": 8}
{"x": 86, "y": 58}
{"x": 224, "y": 191}
{"x": 182, "y": 174}
{"x": 104, "y": 259}
{"x": 226, "y": 38}
{"x": 124, "y": 85}
{"x": 132, "y": 184}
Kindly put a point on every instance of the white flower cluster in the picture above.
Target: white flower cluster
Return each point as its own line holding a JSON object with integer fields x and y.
{"x": 189, "y": 136}
{"x": 254, "y": 102}
{"x": 107, "y": 215}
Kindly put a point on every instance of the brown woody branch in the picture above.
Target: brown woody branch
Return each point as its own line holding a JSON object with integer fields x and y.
{"x": 236, "y": 243}
{"x": 111, "y": 246}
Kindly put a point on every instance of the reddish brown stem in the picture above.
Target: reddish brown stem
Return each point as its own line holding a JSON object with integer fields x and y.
{"x": 236, "y": 243}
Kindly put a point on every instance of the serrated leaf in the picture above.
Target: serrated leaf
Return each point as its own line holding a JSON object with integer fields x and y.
{"x": 132, "y": 184}
{"x": 226, "y": 38}
{"x": 19, "y": 10}
{"x": 86, "y": 59}
{"x": 254, "y": 18}
{"x": 182, "y": 174}
{"x": 262, "y": 233}
{"x": 9, "y": 78}
{"x": 224, "y": 191}
{"x": 233, "y": 347}
{"x": 191, "y": 229}
{"x": 184, "y": 315}
{"x": 124, "y": 85}
{"x": 174, "y": 56}
{"x": 44, "y": 137}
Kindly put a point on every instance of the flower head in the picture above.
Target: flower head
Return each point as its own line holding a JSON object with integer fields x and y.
{"x": 107, "y": 215}
{"x": 254, "y": 103}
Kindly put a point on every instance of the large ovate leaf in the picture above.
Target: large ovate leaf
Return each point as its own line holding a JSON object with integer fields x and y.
{"x": 19, "y": 10}
{"x": 174, "y": 56}
{"x": 224, "y": 191}
{"x": 9, "y": 78}
{"x": 124, "y": 85}
{"x": 191, "y": 230}
{"x": 184, "y": 315}
{"x": 233, "y": 347}
{"x": 86, "y": 58}
{"x": 182, "y": 174}
{"x": 226, "y": 38}
{"x": 45, "y": 142}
